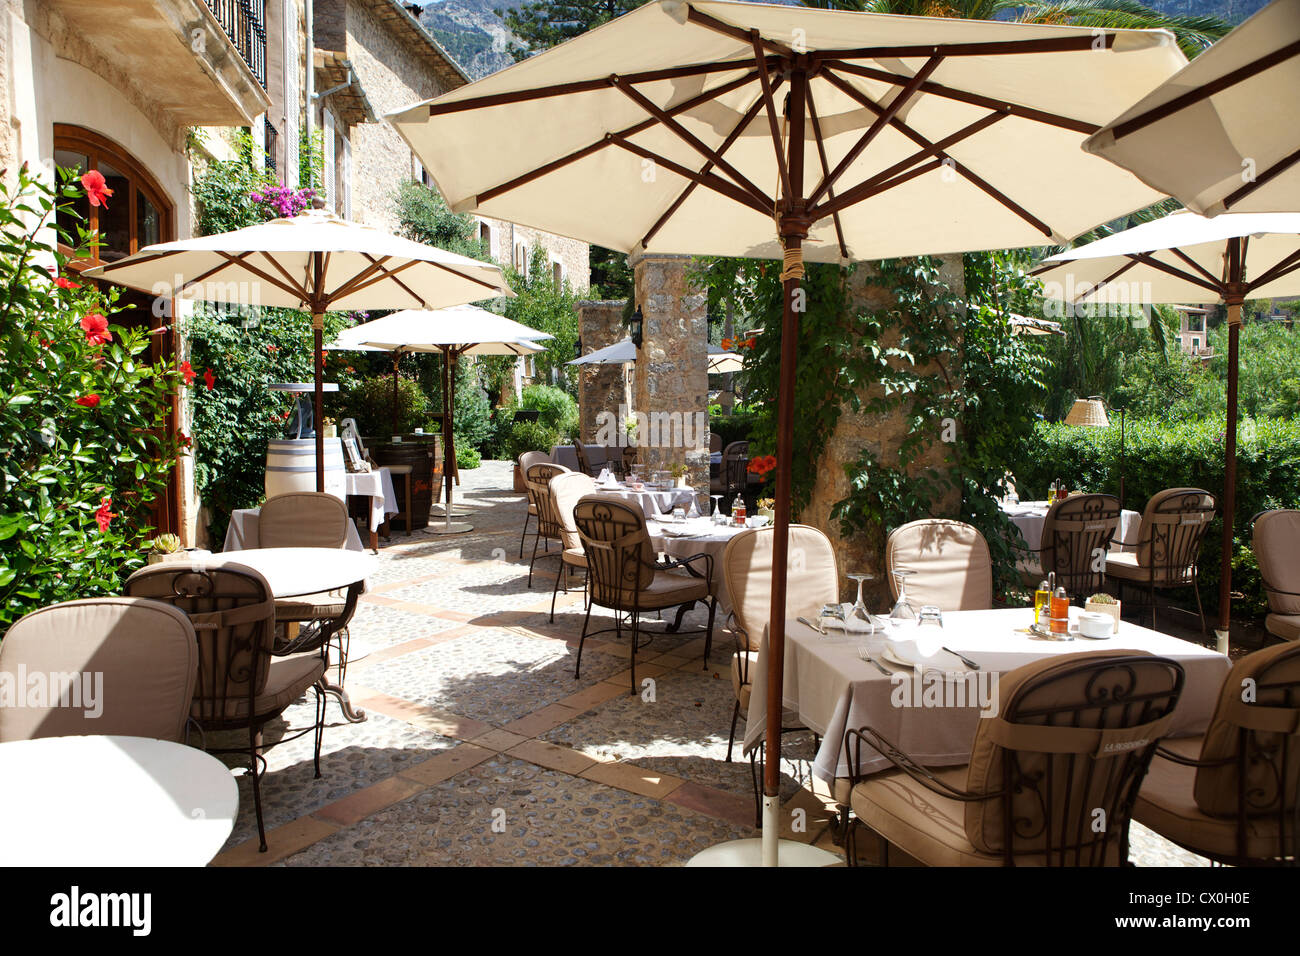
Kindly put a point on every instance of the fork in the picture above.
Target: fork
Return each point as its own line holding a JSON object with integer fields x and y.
{"x": 863, "y": 653}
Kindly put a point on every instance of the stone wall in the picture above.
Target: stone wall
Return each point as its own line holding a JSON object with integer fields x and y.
{"x": 572, "y": 254}
{"x": 602, "y": 389}
{"x": 882, "y": 434}
{"x": 670, "y": 389}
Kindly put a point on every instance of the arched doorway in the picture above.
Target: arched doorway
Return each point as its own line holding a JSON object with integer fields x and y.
{"x": 139, "y": 214}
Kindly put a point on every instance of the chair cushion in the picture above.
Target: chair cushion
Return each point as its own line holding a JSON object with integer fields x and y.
{"x": 288, "y": 679}
{"x": 956, "y": 572}
{"x": 928, "y": 826}
{"x": 1285, "y": 626}
{"x": 575, "y": 557}
{"x": 813, "y": 578}
{"x": 302, "y": 519}
{"x": 670, "y": 588}
{"x": 532, "y": 508}
{"x": 1124, "y": 564}
{"x": 1274, "y": 539}
{"x": 398, "y": 469}
{"x": 321, "y": 606}
{"x": 1167, "y": 805}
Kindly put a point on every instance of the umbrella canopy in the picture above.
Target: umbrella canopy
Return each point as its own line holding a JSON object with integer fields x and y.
{"x": 1224, "y": 134}
{"x": 1184, "y": 257}
{"x": 742, "y": 129}
{"x": 313, "y": 261}
{"x": 451, "y": 332}
{"x": 1029, "y": 325}
{"x": 721, "y": 361}
{"x": 623, "y": 352}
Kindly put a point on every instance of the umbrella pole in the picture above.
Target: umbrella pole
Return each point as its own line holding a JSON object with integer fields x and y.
{"x": 318, "y": 331}
{"x": 397, "y": 360}
{"x": 449, "y": 357}
{"x": 1222, "y": 632}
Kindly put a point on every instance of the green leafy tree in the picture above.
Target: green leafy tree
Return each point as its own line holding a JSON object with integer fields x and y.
{"x": 550, "y": 22}
{"x": 423, "y": 216}
{"x": 540, "y": 303}
{"x": 84, "y": 448}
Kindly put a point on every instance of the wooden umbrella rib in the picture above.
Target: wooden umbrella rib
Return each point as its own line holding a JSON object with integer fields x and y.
{"x": 734, "y": 32}
{"x": 821, "y": 153}
{"x": 1254, "y": 68}
{"x": 1262, "y": 178}
{"x": 392, "y": 274}
{"x": 864, "y": 191}
{"x": 528, "y": 177}
{"x": 140, "y": 258}
{"x": 347, "y": 288}
{"x": 261, "y": 274}
{"x": 689, "y": 139}
{"x": 1287, "y": 265}
{"x": 585, "y": 86}
{"x": 740, "y": 127}
{"x": 974, "y": 99}
{"x": 716, "y": 183}
{"x": 774, "y": 127}
{"x": 279, "y": 267}
{"x": 974, "y": 178}
{"x": 1106, "y": 281}
{"x": 1148, "y": 259}
{"x": 883, "y": 118}
{"x": 1184, "y": 257}
{"x": 990, "y": 48}
{"x": 385, "y": 273}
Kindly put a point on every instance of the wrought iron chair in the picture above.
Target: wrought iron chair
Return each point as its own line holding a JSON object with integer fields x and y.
{"x": 309, "y": 519}
{"x": 624, "y": 577}
{"x": 1077, "y": 535}
{"x": 584, "y": 463}
{"x": 812, "y": 580}
{"x": 1174, "y": 523}
{"x": 733, "y": 473}
{"x": 240, "y": 686}
{"x": 537, "y": 479}
{"x": 954, "y": 570}
{"x": 1231, "y": 795}
{"x": 526, "y": 461}
{"x": 1051, "y": 779}
{"x": 564, "y": 492}
{"x": 1275, "y": 539}
{"x": 139, "y": 655}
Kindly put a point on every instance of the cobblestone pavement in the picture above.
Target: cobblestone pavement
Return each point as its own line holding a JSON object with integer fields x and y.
{"x": 481, "y": 747}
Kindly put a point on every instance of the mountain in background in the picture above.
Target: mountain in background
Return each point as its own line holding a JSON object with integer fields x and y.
{"x": 476, "y": 38}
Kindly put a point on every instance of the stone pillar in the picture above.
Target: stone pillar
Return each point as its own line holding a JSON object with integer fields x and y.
{"x": 670, "y": 388}
{"x": 882, "y": 434}
{"x": 603, "y": 394}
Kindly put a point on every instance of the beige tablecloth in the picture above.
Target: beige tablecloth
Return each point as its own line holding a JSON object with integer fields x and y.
{"x": 833, "y": 690}
{"x": 241, "y": 533}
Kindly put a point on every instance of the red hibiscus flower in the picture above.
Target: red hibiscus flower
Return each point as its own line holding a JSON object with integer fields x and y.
{"x": 188, "y": 372}
{"x": 65, "y": 283}
{"x": 96, "y": 328}
{"x": 184, "y": 440}
{"x": 209, "y": 379}
{"x": 96, "y": 188}
{"x": 103, "y": 514}
{"x": 88, "y": 401}
{"x": 273, "y": 349}
{"x": 749, "y": 342}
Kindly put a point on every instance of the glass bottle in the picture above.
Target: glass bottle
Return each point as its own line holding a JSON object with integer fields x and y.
{"x": 1060, "y": 613}
{"x": 738, "y": 510}
{"x": 1042, "y": 596}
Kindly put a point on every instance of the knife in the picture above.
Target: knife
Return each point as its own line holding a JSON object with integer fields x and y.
{"x": 807, "y": 623}
{"x": 965, "y": 660}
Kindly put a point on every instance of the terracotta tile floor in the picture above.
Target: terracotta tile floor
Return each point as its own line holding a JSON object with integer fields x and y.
{"x": 481, "y": 748}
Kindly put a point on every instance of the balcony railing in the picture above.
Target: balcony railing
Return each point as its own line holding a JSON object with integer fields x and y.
{"x": 245, "y": 23}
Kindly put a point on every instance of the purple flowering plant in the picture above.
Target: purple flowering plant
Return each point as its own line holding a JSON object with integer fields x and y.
{"x": 282, "y": 202}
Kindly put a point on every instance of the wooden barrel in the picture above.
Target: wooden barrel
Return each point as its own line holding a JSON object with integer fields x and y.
{"x": 291, "y": 466}
{"x": 424, "y": 456}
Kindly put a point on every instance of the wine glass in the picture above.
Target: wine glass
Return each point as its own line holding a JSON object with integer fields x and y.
{"x": 902, "y": 612}
{"x": 717, "y": 508}
{"x": 859, "y": 615}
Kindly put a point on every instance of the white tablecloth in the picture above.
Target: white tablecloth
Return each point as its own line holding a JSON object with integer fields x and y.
{"x": 704, "y": 537}
{"x": 293, "y": 572}
{"x": 1029, "y": 516}
{"x": 112, "y": 801}
{"x": 378, "y": 487}
{"x": 596, "y": 455}
{"x": 654, "y": 502}
{"x": 241, "y": 533}
{"x": 833, "y": 690}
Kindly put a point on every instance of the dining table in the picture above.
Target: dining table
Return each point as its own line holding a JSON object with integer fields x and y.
{"x": 296, "y": 572}
{"x": 931, "y": 710}
{"x": 112, "y": 801}
{"x": 697, "y": 535}
{"x": 1030, "y": 516}
{"x": 653, "y": 501}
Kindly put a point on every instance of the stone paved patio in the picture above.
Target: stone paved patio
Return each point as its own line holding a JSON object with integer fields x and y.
{"x": 481, "y": 748}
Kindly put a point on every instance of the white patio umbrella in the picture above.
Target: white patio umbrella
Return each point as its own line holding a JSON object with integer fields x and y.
{"x": 314, "y": 261}
{"x": 452, "y": 332}
{"x": 742, "y": 129}
{"x": 1186, "y": 258}
{"x": 623, "y": 352}
{"x": 1224, "y": 134}
{"x": 722, "y": 361}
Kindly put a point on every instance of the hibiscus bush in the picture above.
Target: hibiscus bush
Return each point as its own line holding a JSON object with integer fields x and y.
{"x": 83, "y": 410}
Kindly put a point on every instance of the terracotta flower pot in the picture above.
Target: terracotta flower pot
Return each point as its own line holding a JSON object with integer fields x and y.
{"x": 519, "y": 479}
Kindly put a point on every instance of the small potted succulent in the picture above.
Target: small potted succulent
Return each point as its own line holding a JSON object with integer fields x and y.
{"x": 766, "y": 508}
{"x": 1104, "y": 604}
{"x": 163, "y": 548}
{"x": 681, "y": 472}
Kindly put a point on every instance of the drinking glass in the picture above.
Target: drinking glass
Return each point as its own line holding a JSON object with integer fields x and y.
{"x": 902, "y": 611}
{"x": 859, "y": 615}
{"x": 930, "y": 614}
{"x": 832, "y": 616}
{"x": 679, "y": 514}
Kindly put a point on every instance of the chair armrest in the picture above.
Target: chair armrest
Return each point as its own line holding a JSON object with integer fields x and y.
{"x": 905, "y": 763}
{"x": 1191, "y": 761}
{"x": 672, "y": 563}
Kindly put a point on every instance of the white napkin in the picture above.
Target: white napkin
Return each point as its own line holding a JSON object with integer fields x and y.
{"x": 604, "y": 477}
{"x": 926, "y": 660}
